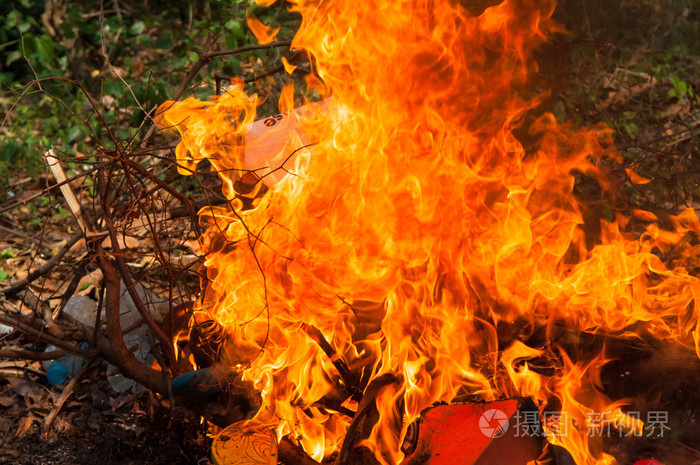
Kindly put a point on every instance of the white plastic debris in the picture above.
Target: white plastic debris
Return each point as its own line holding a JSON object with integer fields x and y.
{"x": 278, "y": 140}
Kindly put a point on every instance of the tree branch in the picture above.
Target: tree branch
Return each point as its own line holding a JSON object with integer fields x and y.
{"x": 45, "y": 268}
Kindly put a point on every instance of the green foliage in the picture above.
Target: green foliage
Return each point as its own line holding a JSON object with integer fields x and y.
{"x": 7, "y": 253}
{"x": 681, "y": 89}
{"x": 150, "y": 48}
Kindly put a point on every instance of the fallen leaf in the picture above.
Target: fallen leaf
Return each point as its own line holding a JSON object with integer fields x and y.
{"x": 635, "y": 178}
{"x": 35, "y": 395}
{"x": 7, "y": 399}
{"x": 645, "y": 215}
{"x": 24, "y": 425}
{"x": 125, "y": 242}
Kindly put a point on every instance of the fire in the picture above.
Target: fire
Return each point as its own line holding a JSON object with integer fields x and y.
{"x": 403, "y": 219}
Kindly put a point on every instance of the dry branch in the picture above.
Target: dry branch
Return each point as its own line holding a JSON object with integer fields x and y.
{"x": 291, "y": 454}
{"x": 31, "y": 355}
{"x": 121, "y": 356}
{"x": 157, "y": 331}
{"x": 44, "y": 335}
{"x": 43, "y": 269}
{"x": 60, "y": 175}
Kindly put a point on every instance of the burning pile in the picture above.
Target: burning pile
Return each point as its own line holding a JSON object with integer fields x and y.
{"x": 403, "y": 221}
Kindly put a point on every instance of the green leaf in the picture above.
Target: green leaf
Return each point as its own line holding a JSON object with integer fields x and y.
{"x": 236, "y": 29}
{"x": 607, "y": 214}
{"x": 25, "y": 25}
{"x": 7, "y": 253}
{"x": 13, "y": 56}
{"x": 4, "y": 275}
{"x": 138, "y": 27}
{"x": 559, "y": 111}
{"x": 85, "y": 286}
{"x": 45, "y": 48}
{"x": 74, "y": 133}
{"x": 163, "y": 44}
{"x": 9, "y": 150}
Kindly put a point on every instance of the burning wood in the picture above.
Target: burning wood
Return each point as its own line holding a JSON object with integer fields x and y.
{"x": 408, "y": 245}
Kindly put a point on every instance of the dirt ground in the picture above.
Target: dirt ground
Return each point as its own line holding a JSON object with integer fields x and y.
{"x": 95, "y": 426}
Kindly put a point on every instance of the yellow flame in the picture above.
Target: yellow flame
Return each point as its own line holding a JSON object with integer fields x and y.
{"x": 405, "y": 220}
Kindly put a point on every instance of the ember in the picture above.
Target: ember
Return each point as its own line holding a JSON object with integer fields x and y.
{"x": 402, "y": 229}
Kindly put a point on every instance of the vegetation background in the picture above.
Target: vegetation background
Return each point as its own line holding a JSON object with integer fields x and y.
{"x": 631, "y": 64}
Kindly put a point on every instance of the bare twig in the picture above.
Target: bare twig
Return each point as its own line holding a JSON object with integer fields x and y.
{"x": 248, "y": 48}
{"x": 126, "y": 276}
{"x": 24, "y": 235}
{"x": 291, "y": 454}
{"x": 120, "y": 355}
{"x": 365, "y": 411}
{"x": 43, "y": 269}
{"x": 47, "y": 190}
{"x": 207, "y": 55}
{"x": 60, "y": 175}
{"x": 44, "y": 336}
{"x": 31, "y": 355}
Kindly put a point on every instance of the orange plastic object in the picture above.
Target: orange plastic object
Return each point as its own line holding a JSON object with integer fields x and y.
{"x": 474, "y": 434}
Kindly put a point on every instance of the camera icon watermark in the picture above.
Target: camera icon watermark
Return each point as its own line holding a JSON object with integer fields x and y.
{"x": 493, "y": 423}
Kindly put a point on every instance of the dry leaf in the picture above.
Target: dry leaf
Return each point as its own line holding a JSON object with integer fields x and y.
{"x": 635, "y": 178}
{"x": 645, "y": 215}
{"x": 7, "y": 399}
{"x": 125, "y": 242}
{"x": 24, "y": 425}
{"x": 34, "y": 394}
{"x": 88, "y": 282}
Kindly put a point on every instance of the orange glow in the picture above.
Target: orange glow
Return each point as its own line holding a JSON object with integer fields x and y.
{"x": 288, "y": 67}
{"x": 635, "y": 178}
{"x": 403, "y": 218}
{"x": 264, "y": 34}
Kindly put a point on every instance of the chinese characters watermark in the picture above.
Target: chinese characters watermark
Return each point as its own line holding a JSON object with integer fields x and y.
{"x": 530, "y": 423}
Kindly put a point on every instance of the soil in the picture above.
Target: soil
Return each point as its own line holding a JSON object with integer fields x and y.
{"x": 96, "y": 426}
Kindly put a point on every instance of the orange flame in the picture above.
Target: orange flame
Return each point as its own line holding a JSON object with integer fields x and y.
{"x": 264, "y": 34}
{"x": 404, "y": 219}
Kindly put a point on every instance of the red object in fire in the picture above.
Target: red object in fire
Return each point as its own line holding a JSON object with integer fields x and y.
{"x": 647, "y": 462}
{"x": 474, "y": 434}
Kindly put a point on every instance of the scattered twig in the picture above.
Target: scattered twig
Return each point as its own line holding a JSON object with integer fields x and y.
{"x": 31, "y": 355}
{"x": 126, "y": 276}
{"x": 24, "y": 201}
{"x": 121, "y": 356}
{"x": 19, "y": 371}
{"x": 205, "y": 57}
{"x": 44, "y": 336}
{"x": 80, "y": 270}
{"x": 60, "y": 175}
{"x": 365, "y": 410}
{"x": 43, "y": 269}
{"x": 248, "y": 48}
{"x": 24, "y": 235}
